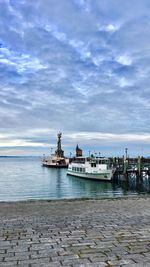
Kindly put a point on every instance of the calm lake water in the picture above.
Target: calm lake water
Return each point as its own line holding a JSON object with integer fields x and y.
{"x": 25, "y": 178}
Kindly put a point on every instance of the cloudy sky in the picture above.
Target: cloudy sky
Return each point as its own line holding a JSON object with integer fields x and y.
{"x": 81, "y": 67}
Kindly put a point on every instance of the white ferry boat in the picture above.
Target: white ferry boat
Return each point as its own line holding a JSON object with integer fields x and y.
{"x": 91, "y": 168}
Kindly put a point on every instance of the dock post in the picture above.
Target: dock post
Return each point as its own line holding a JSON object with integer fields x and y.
{"x": 139, "y": 165}
{"x": 125, "y": 166}
{"x": 114, "y": 161}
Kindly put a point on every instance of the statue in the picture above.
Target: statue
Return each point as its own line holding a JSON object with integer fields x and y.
{"x": 59, "y": 152}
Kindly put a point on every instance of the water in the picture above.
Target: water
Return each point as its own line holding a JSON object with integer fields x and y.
{"x": 25, "y": 178}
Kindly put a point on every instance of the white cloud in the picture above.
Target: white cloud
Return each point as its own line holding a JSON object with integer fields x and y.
{"x": 108, "y": 137}
{"x": 124, "y": 60}
{"x": 81, "y": 48}
{"x": 80, "y": 66}
{"x": 123, "y": 82}
{"x": 27, "y": 63}
{"x": 55, "y": 32}
{"x": 6, "y": 61}
{"x": 112, "y": 28}
{"x": 22, "y": 62}
{"x": 109, "y": 27}
{"x": 85, "y": 138}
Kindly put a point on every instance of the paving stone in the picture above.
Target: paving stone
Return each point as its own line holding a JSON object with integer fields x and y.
{"x": 93, "y": 264}
{"x": 120, "y": 262}
{"x": 9, "y": 264}
{"x": 144, "y": 264}
{"x": 73, "y": 262}
{"x": 91, "y": 233}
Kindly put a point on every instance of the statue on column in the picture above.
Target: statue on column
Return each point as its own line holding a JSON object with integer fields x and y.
{"x": 59, "y": 152}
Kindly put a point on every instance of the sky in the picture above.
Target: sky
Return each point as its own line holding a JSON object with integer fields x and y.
{"x": 81, "y": 67}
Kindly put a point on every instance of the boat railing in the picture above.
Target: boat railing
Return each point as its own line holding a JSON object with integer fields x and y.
{"x": 97, "y": 160}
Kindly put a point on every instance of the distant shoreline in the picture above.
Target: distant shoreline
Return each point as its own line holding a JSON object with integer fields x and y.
{"x": 20, "y": 156}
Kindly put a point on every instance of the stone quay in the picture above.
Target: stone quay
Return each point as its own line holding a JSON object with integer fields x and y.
{"x": 86, "y": 233}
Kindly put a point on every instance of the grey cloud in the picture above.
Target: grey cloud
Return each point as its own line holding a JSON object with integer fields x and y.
{"x": 75, "y": 66}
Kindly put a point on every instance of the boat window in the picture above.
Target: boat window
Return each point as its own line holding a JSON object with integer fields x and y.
{"x": 102, "y": 162}
{"x": 79, "y": 160}
{"x": 77, "y": 169}
{"x": 93, "y": 164}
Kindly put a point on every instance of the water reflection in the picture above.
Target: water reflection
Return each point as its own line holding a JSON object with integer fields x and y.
{"x": 88, "y": 187}
{"x": 134, "y": 183}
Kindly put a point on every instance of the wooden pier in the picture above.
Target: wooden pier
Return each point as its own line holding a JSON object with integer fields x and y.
{"x": 125, "y": 165}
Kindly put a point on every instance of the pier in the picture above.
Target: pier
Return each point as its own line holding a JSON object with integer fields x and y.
{"x": 126, "y": 165}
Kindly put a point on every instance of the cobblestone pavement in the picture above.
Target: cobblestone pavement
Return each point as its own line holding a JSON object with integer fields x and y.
{"x": 75, "y": 233}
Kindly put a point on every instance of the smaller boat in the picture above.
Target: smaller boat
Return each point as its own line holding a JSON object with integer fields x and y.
{"x": 57, "y": 160}
{"x": 91, "y": 168}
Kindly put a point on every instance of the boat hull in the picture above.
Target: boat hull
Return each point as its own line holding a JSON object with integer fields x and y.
{"x": 104, "y": 176}
{"x": 49, "y": 165}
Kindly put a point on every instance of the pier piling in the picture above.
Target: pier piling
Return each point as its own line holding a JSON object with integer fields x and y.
{"x": 125, "y": 165}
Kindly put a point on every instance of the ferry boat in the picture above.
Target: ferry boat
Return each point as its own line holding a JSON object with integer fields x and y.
{"x": 91, "y": 168}
{"x": 57, "y": 160}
